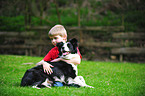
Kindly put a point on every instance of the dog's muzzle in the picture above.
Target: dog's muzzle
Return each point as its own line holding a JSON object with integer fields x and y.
{"x": 65, "y": 53}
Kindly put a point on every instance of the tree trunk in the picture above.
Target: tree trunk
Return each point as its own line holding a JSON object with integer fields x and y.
{"x": 58, "y": 13}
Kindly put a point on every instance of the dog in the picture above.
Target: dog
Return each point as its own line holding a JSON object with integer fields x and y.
{"x": 63, "y": 72}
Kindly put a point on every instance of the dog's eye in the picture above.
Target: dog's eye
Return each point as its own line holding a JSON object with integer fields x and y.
{"x": 68, "y": 44}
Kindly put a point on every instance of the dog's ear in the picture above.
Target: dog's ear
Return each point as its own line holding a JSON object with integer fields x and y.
{"x": 74, "y": 42}
{"x": 59, "y": 45}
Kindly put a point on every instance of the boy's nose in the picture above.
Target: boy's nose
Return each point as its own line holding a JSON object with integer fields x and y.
{"x": 53, "y": 40}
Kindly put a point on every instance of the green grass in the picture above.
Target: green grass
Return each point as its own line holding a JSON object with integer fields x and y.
{"x": 108, "y": 78}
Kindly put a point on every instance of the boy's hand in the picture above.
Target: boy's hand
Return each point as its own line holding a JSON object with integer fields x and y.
{"x": 47, "y": 68}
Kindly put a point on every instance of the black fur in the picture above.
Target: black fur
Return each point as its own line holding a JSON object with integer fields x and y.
{"x": 36, "y": 76}
{"x": 74, "y": 43}
{"x": 59, "y": 45}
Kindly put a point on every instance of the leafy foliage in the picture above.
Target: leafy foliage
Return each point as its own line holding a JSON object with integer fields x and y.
{"x": 129, "y": 13}
{"x": 12, "y": 23}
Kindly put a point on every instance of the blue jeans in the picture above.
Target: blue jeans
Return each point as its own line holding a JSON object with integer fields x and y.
{"x": 58, "y": 84}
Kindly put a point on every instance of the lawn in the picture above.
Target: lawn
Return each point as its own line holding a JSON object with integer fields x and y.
{"x": 108, "y": 78}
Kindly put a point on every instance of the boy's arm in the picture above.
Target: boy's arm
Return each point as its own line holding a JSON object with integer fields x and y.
{"x": 39, "y": 63}
{"x": 75, "y": 60}
{"x": 46, "y": 66}
{"x": 48, "y": 57}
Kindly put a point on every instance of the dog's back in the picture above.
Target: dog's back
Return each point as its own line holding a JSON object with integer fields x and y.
{"x": 33, "y": 76}
{"x": 36, "y": 76}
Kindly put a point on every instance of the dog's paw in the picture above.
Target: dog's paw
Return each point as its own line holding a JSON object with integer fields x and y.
{"x": 90, "y": 86}
{"x": 48, "y": 87}
{"x": 36, "y": 87}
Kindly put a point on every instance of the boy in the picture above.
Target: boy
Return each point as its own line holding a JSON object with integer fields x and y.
{"x": 57, "y": 34}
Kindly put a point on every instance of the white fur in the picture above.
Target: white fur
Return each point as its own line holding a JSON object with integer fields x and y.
{"x": 75, "y": 68}
{"x": 36, "y": 87}
{"x": 69, "y": 56}
{"x": 78, "y": 79}
{"x": 65, "y": 47}
{"x": 46, "y": 83}
{"x": 62, "y": 79}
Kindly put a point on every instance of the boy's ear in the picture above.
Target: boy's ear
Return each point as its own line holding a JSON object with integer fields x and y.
{"x": 65, "y": 38}
{"x": 74, "y": 42}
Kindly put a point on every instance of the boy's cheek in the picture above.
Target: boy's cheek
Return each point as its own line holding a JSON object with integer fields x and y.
{"x": 54, "y": 44}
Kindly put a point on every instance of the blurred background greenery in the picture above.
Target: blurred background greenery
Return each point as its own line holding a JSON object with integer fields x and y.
{"x": 93, "y": 22}
{"x": 16, "y": 14}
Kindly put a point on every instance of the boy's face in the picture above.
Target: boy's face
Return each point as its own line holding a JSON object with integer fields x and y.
{"x": 57, "y": 39}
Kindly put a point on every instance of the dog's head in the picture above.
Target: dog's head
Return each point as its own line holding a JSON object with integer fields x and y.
{"x": 65, "y": 49}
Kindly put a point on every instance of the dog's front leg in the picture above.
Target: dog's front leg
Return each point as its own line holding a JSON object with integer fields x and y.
{"x": 80, "y": 81}
{"x": 47, "y": 83}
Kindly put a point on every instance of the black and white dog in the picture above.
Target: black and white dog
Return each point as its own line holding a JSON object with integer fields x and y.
{"x": 62, "y": 71}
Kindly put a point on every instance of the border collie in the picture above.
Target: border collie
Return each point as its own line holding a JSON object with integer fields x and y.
{"x": 62, "y": 72}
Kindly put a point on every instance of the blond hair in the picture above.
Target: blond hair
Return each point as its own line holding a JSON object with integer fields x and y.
{"x": 57, "y": 30}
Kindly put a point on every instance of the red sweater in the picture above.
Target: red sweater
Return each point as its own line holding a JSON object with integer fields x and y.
{"x": 53, "y": 54}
